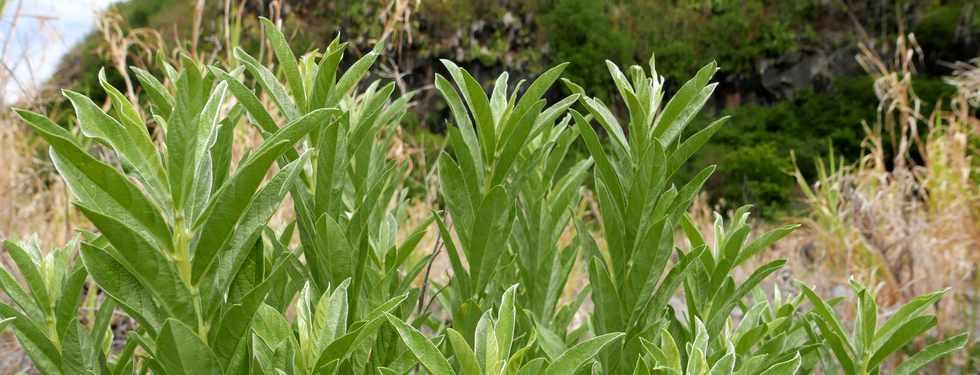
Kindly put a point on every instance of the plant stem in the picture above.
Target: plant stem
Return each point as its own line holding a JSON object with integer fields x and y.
{"x": 182, "y": 258}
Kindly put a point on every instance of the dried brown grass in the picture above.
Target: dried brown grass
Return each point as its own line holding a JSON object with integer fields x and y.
{"x": 32, "y": 198}
{"x": 905, "y": 217}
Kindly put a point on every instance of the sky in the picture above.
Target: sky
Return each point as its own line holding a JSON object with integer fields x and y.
{"x": 46, "y": 30}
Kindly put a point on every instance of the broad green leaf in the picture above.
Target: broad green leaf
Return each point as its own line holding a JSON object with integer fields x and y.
{"x": 119, "y": 284}
{"x": 463, "y": 123}
{"x": 330, "y": 318}
{"x": 464, "y": 354}
{"x": 908, "y": 311}
{"x": 692, "y": 144}
{"x": 482, "y": 251}
{"x": 221, "y": 153}
{"x": 838, "y": 345}
{"x": 788, "y": 367}
{"x": 236, "y": 320}
{"x": 605, "y": 168}
{"x": 902, "y": 336}
{"x": 696, "y": 362}
{"x": 490, "y": 350}
{"x": 826, "y": 313}
{"x": 533, "y": 367}
{"x": 128, "y": 136}
{"x": 158, "y": 94}
{"x": 28, "y": 302}
{"x": 764, "y": 241}
{"x": 668, "y": 286}
{"x": 724, "y": 366}
{"x": 608, "y": 305}
{"x": 423, "y": 349}
{"x": 98, "y": 184}
{"x": 514, "y": 143}
{"x": 498, "y": 99}
{"x": 540, "y": 86}
{"x": 552, "y": 345}
{"x": 263, "y": 205}
{"x": 458, "y": 199}
{"x": 352, "y": 76}
{"x": 672, "y": 353}
{"x": 77, "y": 351}
{"x": 578, "y": 355}
{"x": 506, "y": 321}
{"x": 332, "y": 160}
{"x": 181, "y": 352}
{"x": 231, "y": 200}
{"x": 326, "y": 75}
{"x": 479, "y": 106}
{"x": 358, "y": 337}
{"x": 720, "y": 314}
{"x": 335, "y": 246}
{"x": 189, "y": 137}
{"x": 66, "y": 308}
{"x": 931, "y": 353}
{"x": 866, "y": 322}
{"x": 480, "y": 337}
{"x": 268, "y": 81}
{"x": 146, "y": 264}
{"x": 32, "y": 340}
{"x": 608, "y": 121}
{"x": 101, "y": 329}
{"x": 686, "y": 103}
{"x": 247, "y": 98}
{"x": 287, "y": 60}
{"x": 270, "y": 326}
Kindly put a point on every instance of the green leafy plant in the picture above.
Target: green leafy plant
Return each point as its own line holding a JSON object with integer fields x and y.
{"x": 493, "y": 352}
{"x": 668, "y": 358}
{"x": 320, "y": 340}
{"x": 633, "y": 280}
{"x": 870, "y": 344}
{"x": 45, "y": 316}
{"x": 162, "y": 228}
{"x": 492, "y": 136}
{"x": 767, "y": 335}
{"x": 185, "y": 244}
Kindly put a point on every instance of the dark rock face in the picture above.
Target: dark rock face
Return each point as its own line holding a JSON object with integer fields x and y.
{"x": 815, "y": 69}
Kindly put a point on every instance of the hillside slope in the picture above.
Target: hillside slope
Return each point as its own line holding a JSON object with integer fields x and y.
{"x": 788, "y": 70}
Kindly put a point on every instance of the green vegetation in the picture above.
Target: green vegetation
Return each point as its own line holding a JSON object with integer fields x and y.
{"x": 870, "y": 344}
{"x": 183, "y": 241}
{"x": 753, "y": 151}
{"x": 583, "y": 33}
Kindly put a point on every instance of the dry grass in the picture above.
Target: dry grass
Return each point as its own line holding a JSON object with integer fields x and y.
{"x": 34, "y": 199}
{"x": 906, "y": 216}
